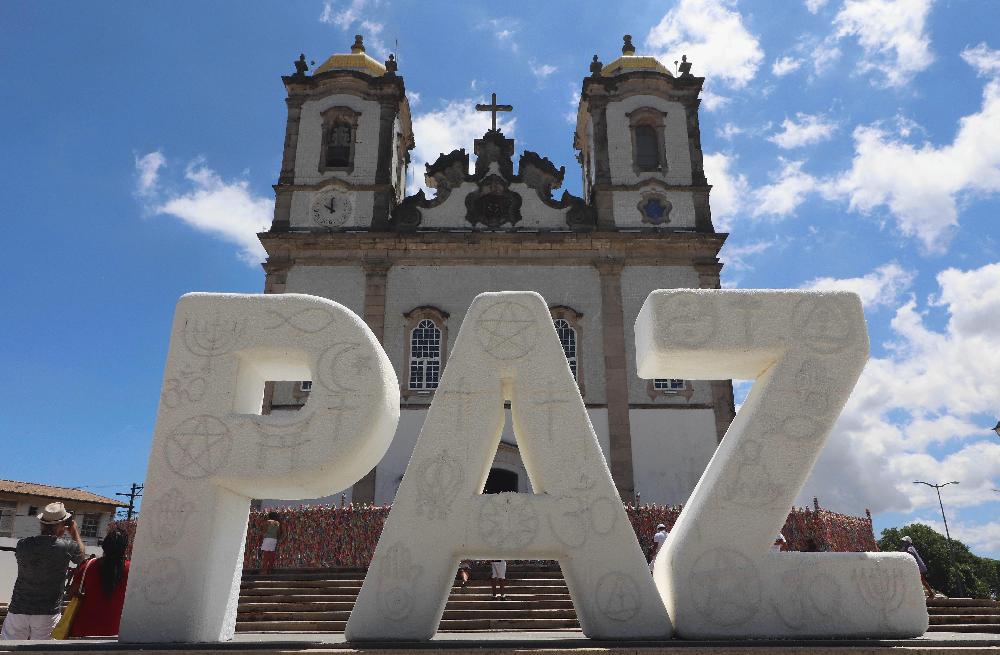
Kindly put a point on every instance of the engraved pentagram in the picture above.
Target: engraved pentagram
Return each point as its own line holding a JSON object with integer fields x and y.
{"x": 198, "y": 447}
{"x": 506, "y": 330}
{"x": 618, "y": 596}
{"x": 725, "y": 587}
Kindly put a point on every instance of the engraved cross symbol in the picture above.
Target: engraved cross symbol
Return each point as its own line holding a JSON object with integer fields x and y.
{"x": 493, "y": 108}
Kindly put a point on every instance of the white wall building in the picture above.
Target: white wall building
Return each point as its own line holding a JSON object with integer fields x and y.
{"x": 411, "y": 265}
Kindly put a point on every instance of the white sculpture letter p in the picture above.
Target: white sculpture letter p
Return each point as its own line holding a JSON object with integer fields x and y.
{"x": 213, "y": 451}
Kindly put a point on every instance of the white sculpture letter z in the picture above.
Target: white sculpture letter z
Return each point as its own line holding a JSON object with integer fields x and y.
{"x": 213, "y": 451}
{"x": 507, "y": 349}
{"x": 805, "y": 351}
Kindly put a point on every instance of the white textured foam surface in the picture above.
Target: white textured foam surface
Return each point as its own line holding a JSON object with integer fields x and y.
{"x": 717, "y": 579}
{"x": 507, "y": 349}
{"x": 212, "y": 451}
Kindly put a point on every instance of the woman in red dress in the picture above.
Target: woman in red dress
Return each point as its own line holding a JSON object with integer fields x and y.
{"x": 103, "y": 593}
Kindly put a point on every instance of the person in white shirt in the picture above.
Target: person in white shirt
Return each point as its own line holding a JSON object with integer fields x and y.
{"x": 779, "y": 544}
{"x": 659, "y": 539}
{"x": 498, "y": 577}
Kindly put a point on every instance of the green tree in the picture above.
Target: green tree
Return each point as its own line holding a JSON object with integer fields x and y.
{"x": 980, "y": 575}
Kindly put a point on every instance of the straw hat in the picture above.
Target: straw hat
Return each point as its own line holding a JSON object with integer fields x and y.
{"x": 53, "y": 514}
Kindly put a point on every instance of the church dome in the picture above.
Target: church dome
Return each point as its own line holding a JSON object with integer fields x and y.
{"x": 357, "y": 60}
{"x": 629, "y": 62}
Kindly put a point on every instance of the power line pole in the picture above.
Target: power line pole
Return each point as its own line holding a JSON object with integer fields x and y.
{"x": 959, "y": 584}
{"x": 132, "y": 495}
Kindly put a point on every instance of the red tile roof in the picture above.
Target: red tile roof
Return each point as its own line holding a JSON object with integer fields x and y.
{"x": 56, "y": 493}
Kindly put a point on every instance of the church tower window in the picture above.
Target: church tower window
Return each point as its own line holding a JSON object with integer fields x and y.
{"x": 663, "y": 384}
{"x": 340, "y": 125}
{"x": 648, "y": 150}
{"x": 426, "y": 346}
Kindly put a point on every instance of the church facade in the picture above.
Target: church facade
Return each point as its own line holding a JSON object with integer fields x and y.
{"x": 344, "y": 229}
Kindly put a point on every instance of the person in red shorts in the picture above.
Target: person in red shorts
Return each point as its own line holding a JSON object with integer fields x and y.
{"x": 102, "y": 593}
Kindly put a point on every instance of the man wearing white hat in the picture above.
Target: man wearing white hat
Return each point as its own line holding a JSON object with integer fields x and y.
{"x": 42, "y": 561}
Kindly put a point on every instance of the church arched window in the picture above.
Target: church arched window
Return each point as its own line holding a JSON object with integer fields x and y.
{"x": 648, "y": 153}
{"x": 338, "y": 146}
{"x": 567, "y": 337}
{"x": 425, "y": 356}
{"x": 425, "y": 349}
{"x": 568, "y": 324}
{"x": 340, "y": 125}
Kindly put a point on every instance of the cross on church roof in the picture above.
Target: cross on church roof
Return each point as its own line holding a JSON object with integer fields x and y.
{"x": 493, "y": 107}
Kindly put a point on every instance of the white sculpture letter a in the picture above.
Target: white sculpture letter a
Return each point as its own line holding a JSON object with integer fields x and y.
{"x": 507, "y": 349}
{"x": 213, "y": 451}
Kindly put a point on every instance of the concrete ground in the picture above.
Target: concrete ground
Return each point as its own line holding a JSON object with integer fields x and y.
{"x": 524, "y": 643}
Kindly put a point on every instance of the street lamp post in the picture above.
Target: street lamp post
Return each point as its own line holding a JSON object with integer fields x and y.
{"x": 959, "y": 584}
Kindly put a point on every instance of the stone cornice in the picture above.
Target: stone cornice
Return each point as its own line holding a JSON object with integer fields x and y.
{"x": 478, "y": 248}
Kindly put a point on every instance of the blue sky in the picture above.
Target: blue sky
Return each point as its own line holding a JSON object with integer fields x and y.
{"x": 853, "y": 144}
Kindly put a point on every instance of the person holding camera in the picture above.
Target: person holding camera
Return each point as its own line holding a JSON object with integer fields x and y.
{"x": 42, "y": 562}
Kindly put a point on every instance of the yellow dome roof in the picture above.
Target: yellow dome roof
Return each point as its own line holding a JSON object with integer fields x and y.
{"x": 357, "y": 60}
{"x": 629, "y": 62}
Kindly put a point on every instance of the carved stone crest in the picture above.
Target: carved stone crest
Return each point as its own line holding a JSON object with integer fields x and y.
{"x": 493, "y": 203}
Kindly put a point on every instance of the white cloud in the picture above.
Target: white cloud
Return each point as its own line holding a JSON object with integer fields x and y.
{"x": 881, "y": 287}
{"x": 346, "y": 16}
{"x": 350, "y": 16}
{"x": 805, "y": 130}
{"x": 933, "y": 387}
{"x": 815, "y": 5}
{"x": 711, "y": 101}
{"x": 456, "y": 125}
{"x": 921, "y": 185}
{"x": 824, "y": 55}
{"x": 729, "y": 190}
{"x": 891, "y": 34}
{"x": 728, "y": 131}
{"x": 785, "y": 65}
{"x": 985, "y": 60}
{"x": 574, "y": 104}
{"x": 979, "y": 537}
{"x": 413, "y": 97}
{"x": 504, "y": 30}
{"x": 789, "y": 189}
{"x": 148, "y": 170}
{"x": 542, "y": 71}
{"x": 735, "y": 256}
{"x": 229, "y": 210}
{"x": 712, "y": 34}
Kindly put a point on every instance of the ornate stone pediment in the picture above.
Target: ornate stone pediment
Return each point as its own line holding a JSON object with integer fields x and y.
{"x": 493, "y": 203}
{"x": 492, "y": 194}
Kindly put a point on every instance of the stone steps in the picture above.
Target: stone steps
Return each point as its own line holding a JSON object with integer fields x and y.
{"x": 537, "y": 599}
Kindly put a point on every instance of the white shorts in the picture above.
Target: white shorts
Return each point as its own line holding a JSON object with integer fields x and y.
{"x": 29, "y": 626}
{"x": 270, "y": 544}
{"x": 499, "y": 569}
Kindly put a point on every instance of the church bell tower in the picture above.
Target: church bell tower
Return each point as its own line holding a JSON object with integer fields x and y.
{"x": 639, "y": 144}
{"x": 347, "y": 145}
